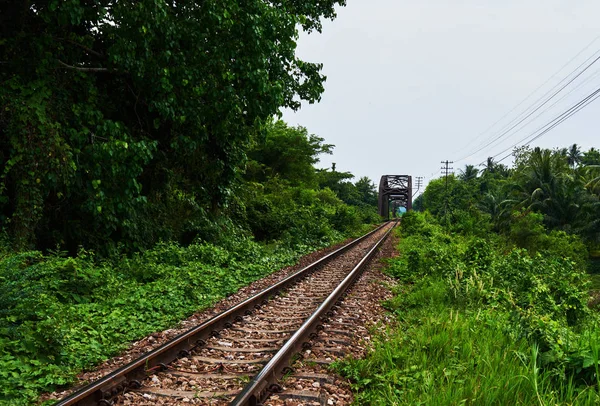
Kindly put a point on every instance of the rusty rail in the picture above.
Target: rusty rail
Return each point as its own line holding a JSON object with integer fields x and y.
{"x": 101, "y": 391}
{"x": 265, "y": 381}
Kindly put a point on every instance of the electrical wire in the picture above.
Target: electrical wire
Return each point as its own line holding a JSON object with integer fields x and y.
{"x": 520, "y": 120}
{"x": 534, "y": 111}
{"x": 571, "y": 111}
{"x": 533, "y": 92}
{"x": 587, "y": 80}
{"x": 510, "y": 126}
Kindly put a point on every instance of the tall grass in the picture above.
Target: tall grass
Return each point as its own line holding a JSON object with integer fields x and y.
{"x": 480, "y": 323}
{"x": 440, "y": 355}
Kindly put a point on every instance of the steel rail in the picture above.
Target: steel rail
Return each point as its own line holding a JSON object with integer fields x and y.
{"x": 100, "y": 391}
{"x": 257, "y": 389}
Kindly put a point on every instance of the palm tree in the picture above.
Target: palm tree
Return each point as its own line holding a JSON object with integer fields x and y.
{"x": 470, "y": 172}
{"x": 591, "y": 178}
{"x": 545, "y": 185}
{"x": 494, "y": 168}
{"x": 591, "y": 157}
{"x": 574, "y": 155}
{"x": 489, "y": 165}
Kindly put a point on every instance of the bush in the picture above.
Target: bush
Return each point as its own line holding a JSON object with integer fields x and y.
{"x": 60, "y": 315}
{"x": 535, "y": 300}
{"x": 471, "y": 222}
{"x": 415, "y": 223}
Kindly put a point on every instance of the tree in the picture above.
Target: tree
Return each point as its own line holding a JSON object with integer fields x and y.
{"x": 470, "y": 172}
{"x": 591, "y": 157}
{"x": 339, "y": 182}
{"x": 108, "y": 108}
{"x": 574, "y": 155}
{"x": 494, "y": 169}
{"x": 288, "y": 153}
{"x": 418, "y": 203}
{"x": 542, "y": 183}
{"x": 490, "y": 165}
{"x": 450, "y": 193}
{"x": 367, "y": 191}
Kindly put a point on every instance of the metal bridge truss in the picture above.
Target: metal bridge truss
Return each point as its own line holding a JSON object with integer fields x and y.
{"x": 395, "y": 189}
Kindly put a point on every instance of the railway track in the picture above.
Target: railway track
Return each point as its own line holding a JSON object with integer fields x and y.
{"x": 239, "y": 356}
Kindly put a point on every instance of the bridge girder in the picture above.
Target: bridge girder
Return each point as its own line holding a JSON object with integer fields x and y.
{"x": 396, "y": 188}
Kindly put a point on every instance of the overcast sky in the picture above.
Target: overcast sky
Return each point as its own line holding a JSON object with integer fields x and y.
{"x": 412, "y": 83}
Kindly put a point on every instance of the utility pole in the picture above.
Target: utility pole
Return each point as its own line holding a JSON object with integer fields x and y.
{"x": 419, "y": 183}
{"x": 447, "y": 169}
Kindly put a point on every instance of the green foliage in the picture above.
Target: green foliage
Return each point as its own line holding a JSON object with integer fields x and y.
{"x": 591, "y": 157}
{"x": 546, "y": 296}
{"x": 560, "y": 185}
{"x": 108, "y": 108}
{"x": 441, "y": 356}
{"x": 287, "y": 153}
{"x": 278, "y": 217}
{"x": 362, "y": 193}
{"x": 414, "y": 223}
{"x": 124, "y": 125}
{"x": 63, "y": 314}
{"x": 284, "y": 197}
{"x": 456, "y": 200}
{"x": 500, "y": 325}
{"x": 527, "y": 231}
{"x": 59, "y": 315}
{"x": 295, "y": 215}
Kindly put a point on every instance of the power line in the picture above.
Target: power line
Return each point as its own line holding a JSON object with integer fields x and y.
{"x": 556, "y": 102}
{"x": 533, "y": 92}
{"x": 532, "y": 112}
{"x": 589, "y": 100}
{"x": 511, "y": 126}
{"x": 571, "y": 111}
{"x": 555, "y": 86}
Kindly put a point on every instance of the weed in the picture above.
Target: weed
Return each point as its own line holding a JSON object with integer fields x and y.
{"x": 478, "y": 323}
{"x": 61, "y": 315}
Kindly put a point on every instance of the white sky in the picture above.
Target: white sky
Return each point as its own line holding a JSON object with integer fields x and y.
{"x": 412, "y": 83}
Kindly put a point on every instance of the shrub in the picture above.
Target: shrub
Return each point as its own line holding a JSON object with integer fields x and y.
{"x": 535, "y": 298}
{"x": 60, "y": 315}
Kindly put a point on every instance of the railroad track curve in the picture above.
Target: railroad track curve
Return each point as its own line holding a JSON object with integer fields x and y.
{"x": 239, "y": 356}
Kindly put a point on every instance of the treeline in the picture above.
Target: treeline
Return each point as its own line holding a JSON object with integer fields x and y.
{"x": 558, "y": 190}
{"x": 499, "y": 293}
{"x": 124, "y": 124}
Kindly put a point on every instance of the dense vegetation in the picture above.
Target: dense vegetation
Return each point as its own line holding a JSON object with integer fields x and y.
{"x": 60, "y": 313}
{"x": 116, "y": 115}
{"x": 143, "y": 177}
{"x": 494, "y": 303}
{"x": 561, "y": 186}
{"x": 142, "y": 174}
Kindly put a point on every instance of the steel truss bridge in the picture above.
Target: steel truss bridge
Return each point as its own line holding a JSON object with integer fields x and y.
{"x": 395, "y": 190}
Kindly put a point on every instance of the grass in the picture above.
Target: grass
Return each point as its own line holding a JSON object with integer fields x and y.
{"x": 442, "y": 355}
{"x": 482, "y": 323}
